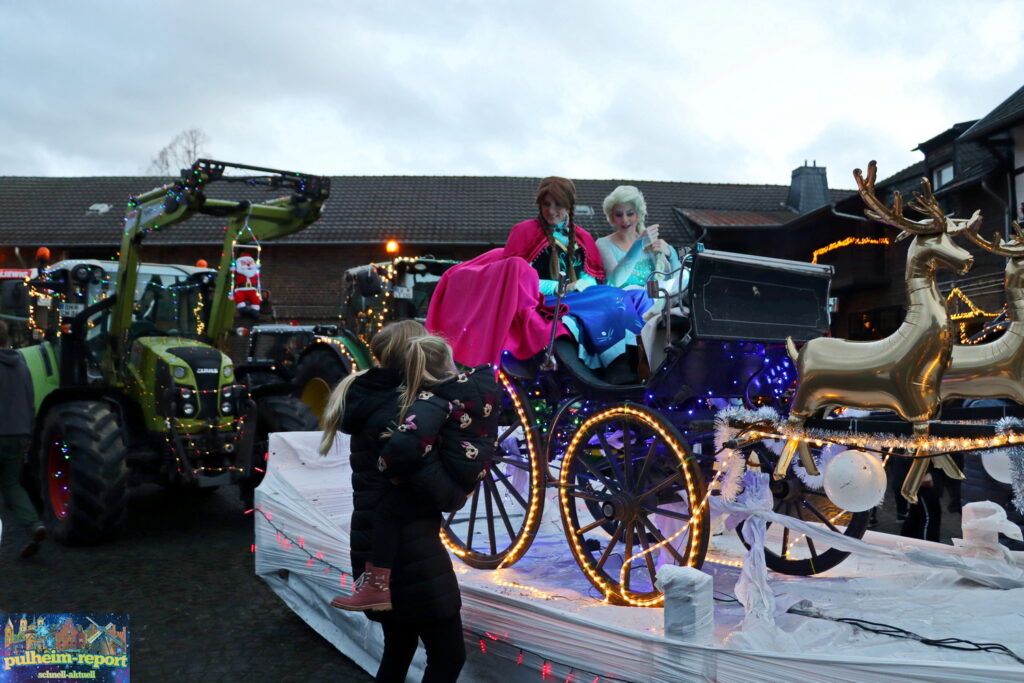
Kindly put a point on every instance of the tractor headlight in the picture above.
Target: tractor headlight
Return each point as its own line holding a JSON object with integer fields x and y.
{"x": 187, "y": 402}
{"x": 178, "y": 372}
{"x": 228, "y": 372}
{"x": 227, "y": 407}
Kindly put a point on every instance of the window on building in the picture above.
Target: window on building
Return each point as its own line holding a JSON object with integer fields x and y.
{"x": 942, "y": 175}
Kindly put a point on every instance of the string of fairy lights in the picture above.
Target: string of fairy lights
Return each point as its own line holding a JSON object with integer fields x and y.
{"x": 98, "y": 288}
{"x": 489, "y": 643}
{"x": 963, "y": 318}
{"x": 370, "y": 321}
{"x": 848, "y": 242}
{"x": 178, "y": 430}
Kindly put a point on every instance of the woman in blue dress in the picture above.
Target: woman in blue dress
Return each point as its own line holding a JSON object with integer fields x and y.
{"x": 631, "y": 253}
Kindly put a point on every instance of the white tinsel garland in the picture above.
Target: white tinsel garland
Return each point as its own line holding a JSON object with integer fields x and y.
{"x": 1016, "y": 453}
{"x": 730, "y": 463}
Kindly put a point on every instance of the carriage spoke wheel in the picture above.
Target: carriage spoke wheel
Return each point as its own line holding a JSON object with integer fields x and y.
{"x": 630, "y": 494}
{"x": 789, "y": 552}
{"x": 497, "y": 525}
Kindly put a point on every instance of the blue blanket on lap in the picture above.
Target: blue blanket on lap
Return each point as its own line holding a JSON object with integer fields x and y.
{"x": 607, "y": 319}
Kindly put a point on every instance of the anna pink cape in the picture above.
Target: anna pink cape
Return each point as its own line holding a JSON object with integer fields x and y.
{"x": 527, "y": 240}
{"x": 488, "y": 305}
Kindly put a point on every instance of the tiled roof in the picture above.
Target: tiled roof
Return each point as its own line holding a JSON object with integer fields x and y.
{"x": 361, "y": 209}
{"x": 945, "y": 136}
{"x": 711, "y": 218}
{"x": 1009, "y": 113}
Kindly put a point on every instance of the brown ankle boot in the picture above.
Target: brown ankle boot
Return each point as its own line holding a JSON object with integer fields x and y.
{"x": 372, "y": 591}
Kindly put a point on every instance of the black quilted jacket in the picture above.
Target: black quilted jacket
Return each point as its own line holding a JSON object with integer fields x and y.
{"x": 445, "y": 444}
{"x": 423, "y": 584}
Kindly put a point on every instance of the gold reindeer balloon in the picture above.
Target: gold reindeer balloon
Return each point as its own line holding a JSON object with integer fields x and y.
{"x": 902, "y": 372}
{"x": 995, "y": 369}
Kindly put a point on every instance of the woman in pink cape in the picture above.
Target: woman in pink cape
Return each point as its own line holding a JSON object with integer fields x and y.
{"x": 504, "y": 300}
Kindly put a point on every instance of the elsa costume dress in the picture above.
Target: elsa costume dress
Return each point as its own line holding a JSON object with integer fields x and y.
{"x": 631, "y": 268}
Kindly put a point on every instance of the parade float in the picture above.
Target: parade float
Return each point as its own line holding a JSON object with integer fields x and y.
{"x": 754, "y": 422}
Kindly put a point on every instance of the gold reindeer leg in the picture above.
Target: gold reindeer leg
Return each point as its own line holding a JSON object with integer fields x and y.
{"x": 808, "y": 460}
{"x": 946, "y": 463}
{"x": 920, "y": 466}
{"x": 912, "y": 483}
{"x": 791, "y": 447}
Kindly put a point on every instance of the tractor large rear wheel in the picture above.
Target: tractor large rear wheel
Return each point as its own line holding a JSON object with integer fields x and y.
{"x": 324, "y": 363}
{"x": 84, "y": 478}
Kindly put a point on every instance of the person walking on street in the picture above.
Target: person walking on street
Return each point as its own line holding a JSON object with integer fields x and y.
{"x": 15, "y": 433}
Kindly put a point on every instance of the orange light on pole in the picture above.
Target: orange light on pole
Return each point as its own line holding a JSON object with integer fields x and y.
{"x": 391, "y": 247}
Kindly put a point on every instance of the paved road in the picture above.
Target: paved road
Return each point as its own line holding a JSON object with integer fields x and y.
{"x": 183, "y": 572}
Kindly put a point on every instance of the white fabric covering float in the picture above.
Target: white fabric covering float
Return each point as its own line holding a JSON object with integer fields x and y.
{"x": 546, "y": 611}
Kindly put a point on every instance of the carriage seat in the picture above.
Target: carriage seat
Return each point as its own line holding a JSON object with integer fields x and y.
{"x": 567, "y": 355}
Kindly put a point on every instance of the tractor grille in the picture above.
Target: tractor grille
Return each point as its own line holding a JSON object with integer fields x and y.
{"x": 205, "y": 364}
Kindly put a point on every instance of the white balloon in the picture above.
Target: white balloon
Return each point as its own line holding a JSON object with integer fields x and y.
{"x": 997, "y": 465}
{"x": 855, "y": 480}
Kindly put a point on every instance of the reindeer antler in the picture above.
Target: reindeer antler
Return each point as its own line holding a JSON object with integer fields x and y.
{"x": 1014, "y": 248}
{"x": 924, "y": 202}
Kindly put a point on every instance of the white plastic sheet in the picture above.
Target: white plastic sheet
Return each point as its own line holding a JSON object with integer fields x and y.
{"x": 544, "y": 607}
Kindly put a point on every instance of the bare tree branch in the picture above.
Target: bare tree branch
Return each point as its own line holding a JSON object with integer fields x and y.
{"x": 179, "y": 153}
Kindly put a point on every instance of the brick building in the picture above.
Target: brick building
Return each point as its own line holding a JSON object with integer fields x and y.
{"x": 447, "y": 217}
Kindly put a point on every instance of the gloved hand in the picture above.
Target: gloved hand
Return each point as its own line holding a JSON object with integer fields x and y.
{"x": 581, "y": 284}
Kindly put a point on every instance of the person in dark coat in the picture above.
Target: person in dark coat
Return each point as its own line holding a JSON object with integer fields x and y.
{"x": 16, "y": 420}
{"x": 456, "y": 422}
{"x": 425, "y": 603}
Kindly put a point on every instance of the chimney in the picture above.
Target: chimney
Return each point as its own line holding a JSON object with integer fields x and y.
{"x": 808, "y": 188}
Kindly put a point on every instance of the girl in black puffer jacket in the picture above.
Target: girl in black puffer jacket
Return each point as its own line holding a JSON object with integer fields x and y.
{"x": 398, "y": 493}
{"x": 447, "y": 434}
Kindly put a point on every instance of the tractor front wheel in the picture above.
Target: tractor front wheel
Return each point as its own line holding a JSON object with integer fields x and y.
{"x": 84, "y": 478}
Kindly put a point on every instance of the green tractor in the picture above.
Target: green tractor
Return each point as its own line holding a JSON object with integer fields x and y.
{"x": 373, "y": 295}
{"x": 132, "y": 382}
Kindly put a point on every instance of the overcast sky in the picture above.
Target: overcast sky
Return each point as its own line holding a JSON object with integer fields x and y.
{"x": 738, "y": 92}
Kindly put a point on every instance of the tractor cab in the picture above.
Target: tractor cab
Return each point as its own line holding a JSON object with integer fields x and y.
{"x": 72, "y": 303}
{"x": 378, "y": 293}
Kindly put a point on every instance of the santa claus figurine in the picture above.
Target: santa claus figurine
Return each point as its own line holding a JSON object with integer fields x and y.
{"x": 247, "y": 284}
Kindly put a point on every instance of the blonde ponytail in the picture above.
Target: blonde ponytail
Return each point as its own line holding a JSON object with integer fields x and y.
{"x": 405, "y": 346}
{"x": 428, "y": 360}
{"x": 334, "y": 410}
